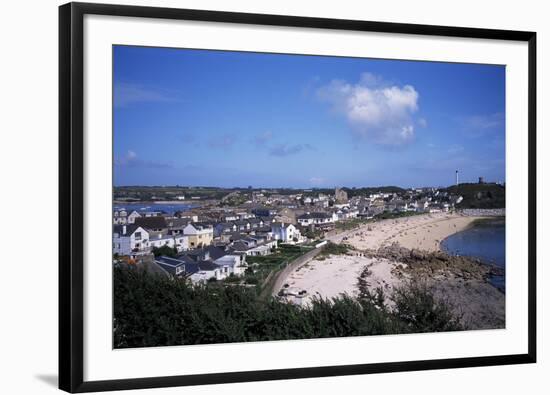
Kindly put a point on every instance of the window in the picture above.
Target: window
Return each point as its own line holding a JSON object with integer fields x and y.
{"x": 137, "y": 235}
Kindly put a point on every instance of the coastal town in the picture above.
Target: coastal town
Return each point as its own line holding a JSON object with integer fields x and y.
{"x": 256, "y": 227}
{"x": 264, "y": 238}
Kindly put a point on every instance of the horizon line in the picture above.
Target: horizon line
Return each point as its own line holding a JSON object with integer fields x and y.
{"x": 299, "y": 188}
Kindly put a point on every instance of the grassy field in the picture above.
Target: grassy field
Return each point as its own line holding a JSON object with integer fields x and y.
{"x": 260, "y": 267}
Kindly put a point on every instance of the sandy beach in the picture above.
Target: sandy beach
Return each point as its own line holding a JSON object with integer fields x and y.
{"x": 423, "y": 232}
{"x": 328, "y": 277}
{"x": 334, "y": 275}
{"x": 331, "y": 276}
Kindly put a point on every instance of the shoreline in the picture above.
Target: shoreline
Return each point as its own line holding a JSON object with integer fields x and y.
{"x": 498, "y": 271}
{"x": 424, "y": 232}
{"x": 389, "y": 253}
{"x": 459, "y": 281}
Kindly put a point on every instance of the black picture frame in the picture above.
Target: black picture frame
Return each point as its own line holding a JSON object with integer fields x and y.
{"x": 71, "y": 205}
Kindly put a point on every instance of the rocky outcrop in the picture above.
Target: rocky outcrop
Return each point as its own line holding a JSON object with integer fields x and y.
{"x": 421, "y": 263}
{"x": 459, "y": 281}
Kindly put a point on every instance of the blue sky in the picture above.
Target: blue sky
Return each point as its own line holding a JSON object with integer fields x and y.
{"x": 215, "y": 118}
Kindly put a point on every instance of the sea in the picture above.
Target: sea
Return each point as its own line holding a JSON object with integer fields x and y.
{"x": 485, "y": 240}
{"x": 168, "y": 208}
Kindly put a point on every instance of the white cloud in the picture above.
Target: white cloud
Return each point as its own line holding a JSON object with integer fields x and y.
{"x": 289, "y": 149}
{"x": 131, "y": 159}
{"x": 377, "y": 111}
{"x": 262, "y": 138}
{"x": 129, "y": 93}
{"x": 480, "y": 125}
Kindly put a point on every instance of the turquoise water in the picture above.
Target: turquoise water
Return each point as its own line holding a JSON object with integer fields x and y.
{"x": 486, "y": 241}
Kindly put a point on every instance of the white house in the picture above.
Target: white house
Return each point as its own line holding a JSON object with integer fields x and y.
{"x": 179, "y": 241}
{"x": 263, "y": 249}
{"x": 345, "y": 214}
{"x": 422, "y": 205}
{"x": 253, "y": 247}
{"x": 132, "y": 217}
{"x": 198, "y": 269}
{"x": 208, "y": 270}
{"x": 286, "y": 233}
{"x": 120, "y": 217}
{"x": 316, "y": 219}
{"x": 235, "y": 262}
{"x": 130, "y": 239}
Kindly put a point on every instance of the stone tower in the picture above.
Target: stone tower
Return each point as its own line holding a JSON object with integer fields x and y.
{"x": 340, "y": 196}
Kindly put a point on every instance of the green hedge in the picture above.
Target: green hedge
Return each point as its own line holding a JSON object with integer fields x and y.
{"x": 153, "y": 310}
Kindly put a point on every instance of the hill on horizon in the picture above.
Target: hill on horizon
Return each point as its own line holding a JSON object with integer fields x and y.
{"x": 486, "y": 195}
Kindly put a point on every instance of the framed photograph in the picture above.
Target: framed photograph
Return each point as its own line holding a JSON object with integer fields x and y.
{"x": 250, "y": 197}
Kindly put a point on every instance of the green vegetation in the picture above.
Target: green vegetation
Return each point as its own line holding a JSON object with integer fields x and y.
{"x": 313, "y": 234}
{"x": 417, "y": 307}
{"x": 260, "y": 267}
{"x": 392, "y": 214}
{"x": 478, "y": 222}
{"x": 234, "y": 200}
{"x": 351, "y": 223}
{"x": 160, "y": 193}
{"x": 152, "y": 310}
{"x": 335, "y": 249}
{"x": 479, "y": 195}
{"x": 165, "y": 251}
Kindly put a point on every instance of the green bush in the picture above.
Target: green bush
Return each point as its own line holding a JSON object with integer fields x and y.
{"x": 153, "y": 310}
{"x": 165, "y": 251}
{"x": 335, "y": 249}
{"x": 232, "y": 279}
{"x": 420, "y": 311}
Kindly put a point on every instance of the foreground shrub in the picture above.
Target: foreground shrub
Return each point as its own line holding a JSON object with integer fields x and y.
{"x": 335, "y": 249}
{"x": 153, "y": 310}
{"x": 420, "y": 311}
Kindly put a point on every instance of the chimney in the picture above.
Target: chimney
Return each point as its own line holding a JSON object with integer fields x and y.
{"x": 123, "y": 230}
